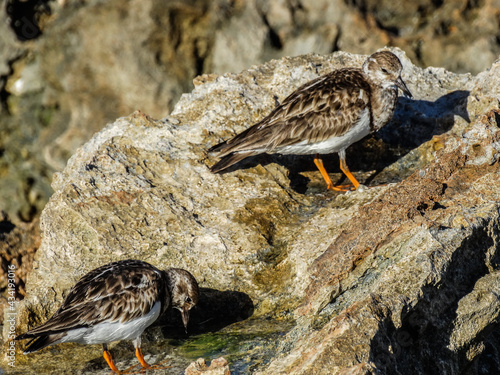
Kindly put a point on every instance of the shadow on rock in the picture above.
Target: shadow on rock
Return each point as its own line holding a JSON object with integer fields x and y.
{"x": 426, "y": 333}
{"x": 414, "y": 123}
{"x": 417, "y": 121}
{"x": 215, "y": 310}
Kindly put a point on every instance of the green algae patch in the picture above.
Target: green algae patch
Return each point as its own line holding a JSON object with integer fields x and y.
{"x": 245, "y": 345}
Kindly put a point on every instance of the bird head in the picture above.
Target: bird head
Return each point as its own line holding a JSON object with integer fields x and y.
{"x": 384, "y": 68}
{"x": 183, "y": 290}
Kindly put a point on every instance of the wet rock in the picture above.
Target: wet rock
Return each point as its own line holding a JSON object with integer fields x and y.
{"x": 374, "y": 280}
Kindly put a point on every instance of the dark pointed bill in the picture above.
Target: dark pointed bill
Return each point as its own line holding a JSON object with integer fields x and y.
{"x": 185, "y": 317}
{"x": 400, "y": 83}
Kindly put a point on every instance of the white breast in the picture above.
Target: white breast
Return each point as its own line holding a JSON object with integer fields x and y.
{"x": 113, "y": 331}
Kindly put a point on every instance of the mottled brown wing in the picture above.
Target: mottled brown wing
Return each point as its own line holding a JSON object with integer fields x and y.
{"x": 119, "y": 291}
{"x": 323, "y": 108}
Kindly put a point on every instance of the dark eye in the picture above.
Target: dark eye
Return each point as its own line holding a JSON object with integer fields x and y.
{"x": 385, "y": 70}
{"x": 189, "y": 300}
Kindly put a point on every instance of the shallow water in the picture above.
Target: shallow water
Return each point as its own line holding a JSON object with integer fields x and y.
{"x": 247, "y": 345}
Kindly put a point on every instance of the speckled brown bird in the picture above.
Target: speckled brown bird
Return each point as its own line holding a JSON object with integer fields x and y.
{"x": 325, "y": 115}
{"x": 117, "y": 301}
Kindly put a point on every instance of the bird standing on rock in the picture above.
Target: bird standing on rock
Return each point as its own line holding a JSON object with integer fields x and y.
{"x": 117, "y": 301}
{"x": 325, "y": 115}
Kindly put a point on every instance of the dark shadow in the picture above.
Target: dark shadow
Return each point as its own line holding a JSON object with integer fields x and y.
{"x": 215, "y": 310}
{"x": 417, "y": 121}
{"x": 488, "y": 361}
{"x": 6, "y": 226}
{"x": 414, "y": 123}
{"x": 24, "y": 17}
{"x": 421, "y": 344}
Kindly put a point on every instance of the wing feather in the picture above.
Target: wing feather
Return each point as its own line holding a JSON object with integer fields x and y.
{"x": 119, "y": 291}
{"x": 323, "y": 108}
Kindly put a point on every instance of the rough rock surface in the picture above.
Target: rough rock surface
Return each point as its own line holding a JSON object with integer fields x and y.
{"x": 398, "y": 276}
{"x": 18, "y": 244}
{"x": 69, "y": 67}
{"x": 218, "y": 366}
{"x": 88, "y": 62}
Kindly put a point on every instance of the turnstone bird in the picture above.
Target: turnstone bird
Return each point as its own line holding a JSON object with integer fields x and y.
{"x": 325, "y": 115}
{"x": 117, "y": 301}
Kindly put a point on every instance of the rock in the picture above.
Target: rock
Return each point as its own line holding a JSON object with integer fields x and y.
{"x": 23, "y": 182}
{"x": 18, "y": 244}
{"x": 67, "y": 68}
{"x": 403, "y": 275}
{"x": 10, "y": 48}
{"x": 91, "y": 62}
{"x": 218, "y": 366}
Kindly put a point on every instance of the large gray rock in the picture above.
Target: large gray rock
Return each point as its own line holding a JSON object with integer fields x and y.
{"x": 96, "y": 61}
{"x": 392, "y": 277}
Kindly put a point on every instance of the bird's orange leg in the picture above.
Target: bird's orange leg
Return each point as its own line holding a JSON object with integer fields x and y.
{"x": 347, "y": 172}
{"x": 107, "y": 356}
{"x": 329, "y": 183}
{"x": 140, "y": 357}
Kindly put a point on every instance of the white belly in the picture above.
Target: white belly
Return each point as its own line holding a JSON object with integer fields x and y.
{"x": 113, "y": 331}
{"x": 335, "y": 144}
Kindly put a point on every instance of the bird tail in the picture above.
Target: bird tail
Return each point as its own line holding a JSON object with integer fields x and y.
{"x": 229, "y": 160}
{"x": 39, "y": 342}
{"x": 218, "y": 147}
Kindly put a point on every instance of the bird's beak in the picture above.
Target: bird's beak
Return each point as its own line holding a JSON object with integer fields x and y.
{"x": 185, "y": 316}
{"x": 400, "y": 83}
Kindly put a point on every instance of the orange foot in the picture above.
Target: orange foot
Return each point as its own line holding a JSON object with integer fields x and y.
{"x": 145, "y": 365}
{"x": 341, "y": 187}
{"x": 329, "y": 183}
{"x": 132, "y": 369}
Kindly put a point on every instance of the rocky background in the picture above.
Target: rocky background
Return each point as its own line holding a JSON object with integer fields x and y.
{"x": 421, "y": 279}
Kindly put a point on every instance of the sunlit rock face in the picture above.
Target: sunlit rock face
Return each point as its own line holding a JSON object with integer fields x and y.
{"x": 401, "y": 274}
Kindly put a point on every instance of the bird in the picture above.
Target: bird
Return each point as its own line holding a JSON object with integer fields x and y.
{"x": 116, "y": 301}
{"x": 323, "y": 116}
